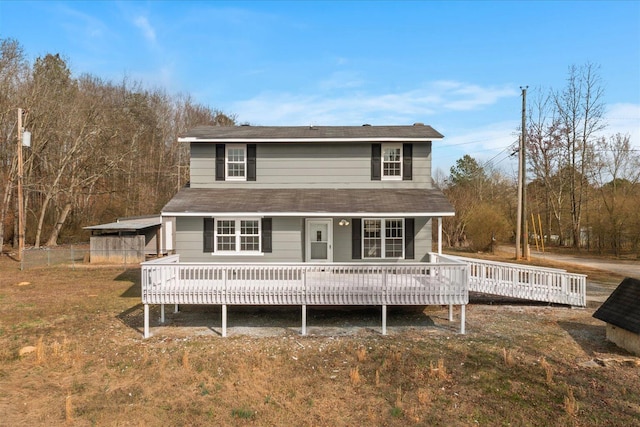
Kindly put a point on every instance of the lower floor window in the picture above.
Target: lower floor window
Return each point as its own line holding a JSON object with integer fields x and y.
{"x": 383, "y": 238}
{"x": 237, "y": 235}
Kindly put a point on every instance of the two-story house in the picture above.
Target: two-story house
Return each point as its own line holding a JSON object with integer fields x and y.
{"x": 308, "y": 194}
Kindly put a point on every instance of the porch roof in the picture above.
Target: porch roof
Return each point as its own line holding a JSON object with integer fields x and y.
{"x": 308, "y": 202}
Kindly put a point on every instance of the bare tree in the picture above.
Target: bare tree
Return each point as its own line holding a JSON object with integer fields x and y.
{"x": 580, "y": 114}
{"x": 616, "y": 174}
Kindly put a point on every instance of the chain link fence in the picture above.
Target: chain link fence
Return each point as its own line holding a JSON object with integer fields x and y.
{"x": 72, "y": 256}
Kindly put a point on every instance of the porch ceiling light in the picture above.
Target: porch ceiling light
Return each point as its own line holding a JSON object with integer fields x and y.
{"x": 343, "y": 222}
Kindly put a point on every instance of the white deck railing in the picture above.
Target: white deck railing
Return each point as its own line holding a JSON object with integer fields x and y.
{"x": 168, "y": 281}
{"x": 526, "y": 282}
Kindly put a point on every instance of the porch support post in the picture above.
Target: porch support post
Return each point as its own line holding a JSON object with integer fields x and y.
{"x": 304, "y": 319}
{"x": 175, "y": 308}
{"x": 224, "y": 320}
{"x": 146, "y": 321}
{"x": 384, "y": 320}
{"x": 450, "y": 312}
{"x": 439, "y": 235}
{"x": 161, "y": 313}
{"x": 463, "y": 309}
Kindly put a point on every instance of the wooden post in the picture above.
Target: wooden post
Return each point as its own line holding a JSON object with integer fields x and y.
{"x": 304, "y": 319}
{"x": 439, "y": 235}
{"x": 161, "y": 313}
{"x": 384, "y": 320}
{"x": 146, "y": 321}
{"x": 20, "y": 196}
{"x": 450, "y": 312}
{"x": 224, "y": 320}
{"x": 463, "y": 308}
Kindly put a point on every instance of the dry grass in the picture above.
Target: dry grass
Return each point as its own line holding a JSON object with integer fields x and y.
{"x": 548, "y": 371}
{"x": 570, "y": 404}
{"x": 89, "y": 365}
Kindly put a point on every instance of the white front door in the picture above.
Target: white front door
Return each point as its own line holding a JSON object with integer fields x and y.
{"x": 319, "y": 246}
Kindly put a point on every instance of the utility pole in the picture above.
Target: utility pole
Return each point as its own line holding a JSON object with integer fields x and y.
{"x": 523, "y": 164}
{"x": 20, "y": 201}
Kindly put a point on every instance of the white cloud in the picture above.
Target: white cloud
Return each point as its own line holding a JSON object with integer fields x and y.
{"x": 147, "y": 29}
{"x": 354, "y": 105}
{"x": 624, "y": 119}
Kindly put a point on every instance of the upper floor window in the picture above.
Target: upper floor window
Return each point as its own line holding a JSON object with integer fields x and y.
{"x": 391, "y": 161}
{"x": 236, "y": 162}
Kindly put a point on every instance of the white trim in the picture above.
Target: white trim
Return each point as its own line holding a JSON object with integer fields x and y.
{"x": 311, "y": 214}
{"x": 228, "y": 147}
{"x": 294, "y": 140}
{"x": 238, "y": 237}
{"x": 329, "y": 223}
{"x": 383, "y": 237}
{"x": 384, "y": 177}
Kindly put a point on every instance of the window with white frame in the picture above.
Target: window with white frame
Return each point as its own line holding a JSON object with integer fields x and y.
{"x": 237, "y": 235}
{"x": 383, "y": 238}
{"x": 236, "y": 158}
{"x": 391, "y": 161}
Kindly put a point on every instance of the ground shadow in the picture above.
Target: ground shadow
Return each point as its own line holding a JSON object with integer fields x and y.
{"x": 133, "y": 317}
{"x": 488, "y": 299}
{"x": 591, "y": 338}
{"x": 271, "y": 319}
{"x": 131, "y": 275}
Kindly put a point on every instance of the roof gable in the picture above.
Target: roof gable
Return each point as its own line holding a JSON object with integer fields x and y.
{"x": 622, "y": 308}
{"x": 416, "y": 133}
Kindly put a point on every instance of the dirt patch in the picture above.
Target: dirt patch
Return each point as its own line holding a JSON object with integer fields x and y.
{"x": 518, "y": 364}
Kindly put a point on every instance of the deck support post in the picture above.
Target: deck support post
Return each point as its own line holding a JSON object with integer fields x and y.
{"x": 175, "y": 308}
{"x": 450, "y": 312}
{"x": 146, "y": 321}
{"x": 384, "y": 320}
{"x": 304, "y": 319}
{"x": 463, "y": 309}
{"x": 161, "y": 313}
{"x": 224, "y": 320}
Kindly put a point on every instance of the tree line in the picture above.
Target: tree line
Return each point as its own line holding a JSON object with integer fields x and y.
{"x": 99, "y": 149}
{"x": 583, "y": 187}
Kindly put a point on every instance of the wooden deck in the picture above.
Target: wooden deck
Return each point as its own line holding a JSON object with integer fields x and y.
{"x": 445, "y": 281}
{"x": 168, "y": 281}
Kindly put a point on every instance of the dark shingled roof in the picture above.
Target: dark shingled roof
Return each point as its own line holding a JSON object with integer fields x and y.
{"x": 622, "y": 308}
{"x": 293, "y": 133}
{"x": 418, "y": 202}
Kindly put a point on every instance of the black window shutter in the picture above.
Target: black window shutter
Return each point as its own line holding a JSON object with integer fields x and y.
{"x": 356, "y": 238}
{"x": 409, "y": 237}
{"x": 376, "y": 151}
{"x": 407, "y": 162}
{"x": 209, "y": 235}
{"x": 267, "y": 241}
{"x": 251, "y": 162}
{"x": 220, "y": 155}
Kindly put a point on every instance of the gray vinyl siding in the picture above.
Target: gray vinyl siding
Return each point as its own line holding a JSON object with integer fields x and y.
{"x": 286, "y": 235}
{"x": 309, "y": 165}
{"x": 288, "y": 242}
{"x": 342, "y": 243}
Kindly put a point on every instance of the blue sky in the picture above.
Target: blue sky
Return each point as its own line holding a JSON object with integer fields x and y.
{"x": 457, "y": 66}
